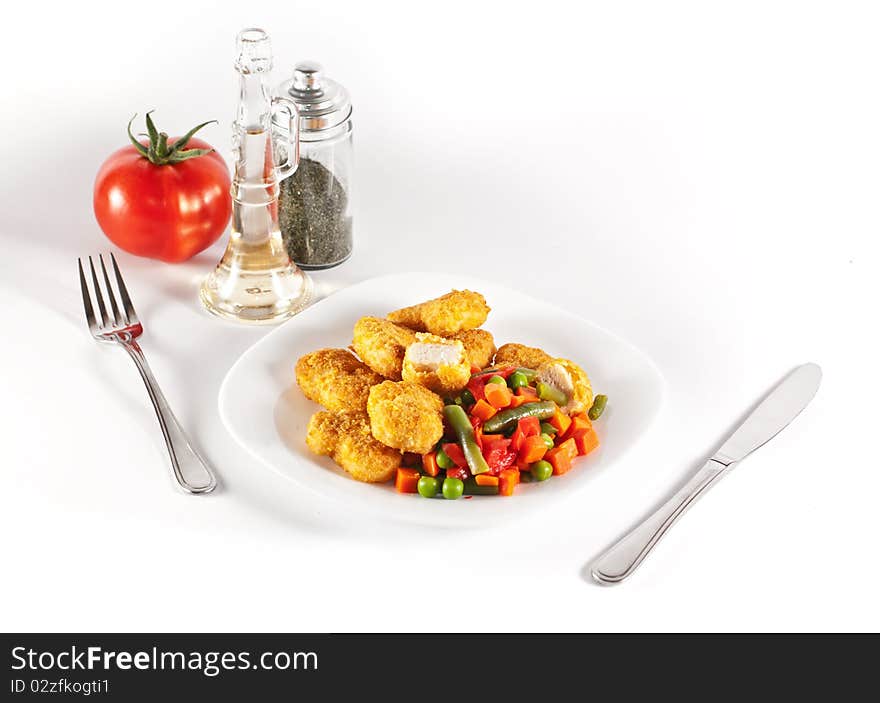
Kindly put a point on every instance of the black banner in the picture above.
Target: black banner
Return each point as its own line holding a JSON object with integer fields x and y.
{"x": 151, "y": 667}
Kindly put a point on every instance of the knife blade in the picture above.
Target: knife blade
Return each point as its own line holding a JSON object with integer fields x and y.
{"x": 782, "y": 405}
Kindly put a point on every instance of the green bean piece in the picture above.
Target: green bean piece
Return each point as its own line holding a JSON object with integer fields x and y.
{"x": 548, "y": 392}
{"x": 467, "y": 398}
{"x": 472, "y": 488}
{"x": 497, "y": 379}
{"x": 548, "y": 441}
{"x": 453, "y": 488}
{"x": 526, "y": 477}
{"x": 428, "y": 486}
{"x": 443, "y": 460}
{"x": 528, "y": 373}
{"x": 541, "y": 470}
{"x": 460, "y": 424}
{"x": 547, "y": 428}
{"x": 598, "y": 407}
{"x": 508, "y": 418}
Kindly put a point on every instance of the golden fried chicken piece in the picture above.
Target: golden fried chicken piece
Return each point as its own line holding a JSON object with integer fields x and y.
{"x": 336, "y": 379}
{"x": 381, "y": 345}
{"x": 346, "y": 438}
{"x": 438, "y": 364}
{"x": 571, "y": 379}
{"x": 479, "y": 345}
{"x": 456, "y": 311}
{"x": 521, "y": 355}
{"x": 405, "y": 416}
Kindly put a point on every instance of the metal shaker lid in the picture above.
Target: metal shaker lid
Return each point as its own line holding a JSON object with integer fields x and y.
{"x": 323, "y": 103}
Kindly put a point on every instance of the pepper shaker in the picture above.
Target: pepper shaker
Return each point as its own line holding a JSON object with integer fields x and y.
{"x": 315, "y": 203}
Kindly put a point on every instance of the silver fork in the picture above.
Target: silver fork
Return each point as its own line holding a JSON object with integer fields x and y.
{"x": 122, "y": 327}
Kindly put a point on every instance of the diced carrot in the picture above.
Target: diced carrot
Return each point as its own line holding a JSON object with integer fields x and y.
{"x": 518, "y": 400}
{"x": 483, "y": 410}
{"x": 486, "y": 480}
{"x": 560, "y": 421}
{"x": 533, "y": 449}
{"x": 561, "y": 457}
{"x": 527, "y": 392}
{"x": 407, "y": 480}
{"x": 498, "y": 396}
{"x": 580, "y": 421}
{"x": 475, "y": 369}
{"x": 507, "y": 482}
{"x": 586, "y": 441}
{"x": 429, "y": 464}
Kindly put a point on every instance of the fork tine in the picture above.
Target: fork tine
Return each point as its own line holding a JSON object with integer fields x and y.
{"x": 98, "y": 294}
{"x": 130, "y": 314}
{"x": 116, "y": 318}
{"x": 87, "y": 299}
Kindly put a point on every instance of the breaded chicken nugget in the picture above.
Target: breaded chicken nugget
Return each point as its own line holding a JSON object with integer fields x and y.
{"x": 336, "y": 379}
{"x": 438, "y": 364}
{"x": 405, "y": 416}
{"x": 571, "y": 379}
{"x": 521, "y": 355}
{"x": 479, "y": 346}
{"x": 346, "y": 438}
{"x": 446, "y": 315}
{"x": 381, "y": 345}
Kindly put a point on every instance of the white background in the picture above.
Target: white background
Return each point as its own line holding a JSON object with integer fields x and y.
{"x": 700, "y": 178}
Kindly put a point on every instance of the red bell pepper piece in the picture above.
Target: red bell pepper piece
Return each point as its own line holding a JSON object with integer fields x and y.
{"x": 476, "y": 386}
{"x": 477, "y": 424}
{"x": 458, "y": 472}
{"x": 454, "y": 452}
{"x": 530, "y": 426}
{"x": 498, "y": 454}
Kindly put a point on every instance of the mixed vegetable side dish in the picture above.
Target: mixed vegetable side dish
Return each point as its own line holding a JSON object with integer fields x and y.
{"x": 427, "y": 400}
{"x": 506, "y": 426}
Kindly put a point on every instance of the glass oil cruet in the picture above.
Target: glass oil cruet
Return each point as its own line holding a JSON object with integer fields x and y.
{"x": 255, "y": 280}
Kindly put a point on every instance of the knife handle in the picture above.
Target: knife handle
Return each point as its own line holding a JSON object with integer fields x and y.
{"x": 621, "y": 560}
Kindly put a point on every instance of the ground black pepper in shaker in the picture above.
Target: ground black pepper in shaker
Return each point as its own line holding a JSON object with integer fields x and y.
{"x": 314, "y": 204}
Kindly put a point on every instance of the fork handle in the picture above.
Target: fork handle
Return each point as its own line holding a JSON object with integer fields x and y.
{"x": 624, "y": 557}
{"x": 190, "y": 470}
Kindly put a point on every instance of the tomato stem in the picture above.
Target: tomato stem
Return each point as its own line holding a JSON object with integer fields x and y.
{"x": 158, "y": 151}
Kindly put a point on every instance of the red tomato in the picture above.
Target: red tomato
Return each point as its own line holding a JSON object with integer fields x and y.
{"x": 169, "y": 212}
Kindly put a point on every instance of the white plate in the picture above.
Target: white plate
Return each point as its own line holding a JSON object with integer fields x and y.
{"x": 264, "y": 410}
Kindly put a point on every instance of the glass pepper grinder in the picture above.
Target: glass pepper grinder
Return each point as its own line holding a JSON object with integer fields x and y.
{"x": 255, "y": 280}
{"x": 315, "y": 203}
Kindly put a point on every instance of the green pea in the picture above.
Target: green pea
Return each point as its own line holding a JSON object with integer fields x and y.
{"x": 467, "y": 398}
{"x": 453, "y": 488}
{"x": 517, "y": 380}
{"x": 497, "y": 379}
{"x": 443, "y": 460}
{"x": 428, "y": 486}
{"x": 541, "y": 470}
{"x": 548, "y": 441}
{"x": 547, "y": 428}
{"x": 598, "y": 408}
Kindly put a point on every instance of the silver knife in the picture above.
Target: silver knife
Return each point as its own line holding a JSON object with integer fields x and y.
{"x": 782, "y": 405}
